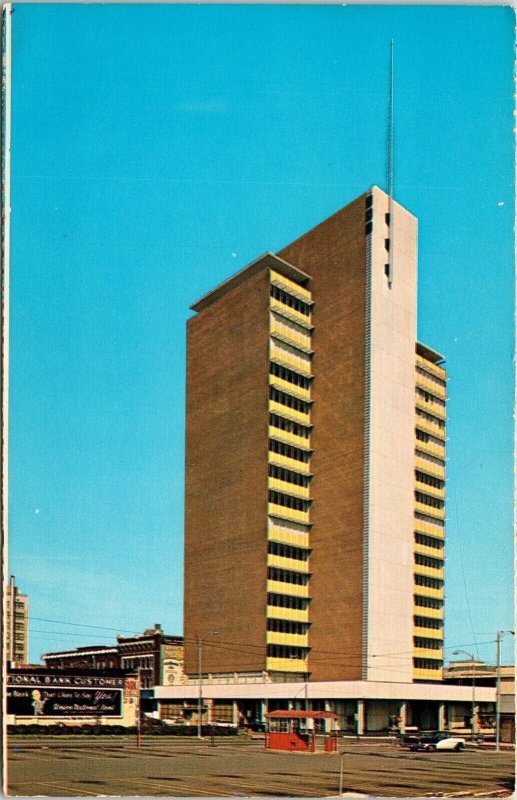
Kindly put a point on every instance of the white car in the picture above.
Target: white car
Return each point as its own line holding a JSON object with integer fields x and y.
{"x": 445, "y": 741}
{"x": 450, "y": 743}
{"x": 433, "y": 740}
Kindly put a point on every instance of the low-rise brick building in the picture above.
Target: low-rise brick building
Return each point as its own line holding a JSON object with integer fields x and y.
{"x": 156, "y": 656}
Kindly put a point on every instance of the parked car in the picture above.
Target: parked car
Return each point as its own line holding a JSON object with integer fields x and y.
{"x": 433, "y": 740}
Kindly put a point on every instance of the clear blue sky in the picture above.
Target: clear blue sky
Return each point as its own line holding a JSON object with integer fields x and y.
{"x": 158, "y": 149}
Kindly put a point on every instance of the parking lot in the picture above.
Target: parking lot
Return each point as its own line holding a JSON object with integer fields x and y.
{"x": 89, "y": 766}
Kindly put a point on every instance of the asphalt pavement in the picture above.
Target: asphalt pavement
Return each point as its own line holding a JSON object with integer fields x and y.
{"x": 68, "y": 766}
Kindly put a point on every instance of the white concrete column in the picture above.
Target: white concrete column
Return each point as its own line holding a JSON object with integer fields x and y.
{"x": 442, "y": 717}
{"x": 326, "y": 722}
{"x": 475, "y": 725}
{"x": 359, "y": 717}
{"x": 403, "y": 716}
{"x": 263, "y": 710}
{"x": 235, "y": 713}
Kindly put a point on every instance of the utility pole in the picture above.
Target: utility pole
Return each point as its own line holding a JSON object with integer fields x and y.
{"x": 341, "y": 762}
{"x": 12, "y": 618}
{"x": 498, "y": 689}
{"x": 200, "y": 640}
{"x": 200, "y": 694}
{"x": 138, "y": 709}
{"x": 498, "y": 638}
{"x": 473, "y": 660}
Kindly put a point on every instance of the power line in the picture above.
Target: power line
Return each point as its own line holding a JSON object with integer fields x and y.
{"x": 79, "y": 624}
{"x": 254, "y": 649}
{"x": 66, "y": 633}
{"x": 317, "y": 656}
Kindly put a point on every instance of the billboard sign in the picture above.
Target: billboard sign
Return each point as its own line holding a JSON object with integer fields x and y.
{"x": 63, "y": 696}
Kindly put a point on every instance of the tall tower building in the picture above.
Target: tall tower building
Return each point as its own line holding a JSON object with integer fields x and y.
{"x": 314, "y": 492}
{"x": 16, "y": 624}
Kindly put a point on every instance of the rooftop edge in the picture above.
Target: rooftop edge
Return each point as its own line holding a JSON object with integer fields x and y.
{"x": 430, "y": 354}
{"x": 266, "y": 261}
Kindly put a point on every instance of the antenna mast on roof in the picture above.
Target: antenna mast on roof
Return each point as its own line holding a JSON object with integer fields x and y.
{"x": 391, "y": 141}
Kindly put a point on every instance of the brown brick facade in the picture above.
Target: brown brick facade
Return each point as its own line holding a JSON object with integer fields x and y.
{"x": 226, "y": 480}
{"x": 334, "y": 255}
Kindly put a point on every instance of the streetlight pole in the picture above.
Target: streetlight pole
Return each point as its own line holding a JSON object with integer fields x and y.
{"x": 473, "y": 697}
{"x": 498, "y": 690}
{"x": 200, "y": 694}
{"x": 472, "y": 658}
{"x": 138, "y": 709}
{"x": 200, "y": 640}
{"x": 498, "y": 638}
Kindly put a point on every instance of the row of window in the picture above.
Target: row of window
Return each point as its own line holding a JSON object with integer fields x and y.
{"x": 429, "y": 644}
{"x": 287, "y": 626}
{"x": 290, "y": 301}
{"x": 428, "y": 622}
{"x": 429, "y": 480}
{"x": 422, "y": 436}
{"x": 427, "y": 457}
{"x": 289, "y": 375}
{"x": 146, "y": 662}
{"x": 430, "y": 376}
{"x": 287, "y": 576}
{"x": 438, "y": 523}
{"x": 427, "y": 561}
{"x": 288, "y": 501}
{"x": 288, "y": 551}
{"x": 288, "y": 601}
{"x": 430, "y": 418}
{"x": 427, "y": 663}
{"x": 429, "y": 398}
{"x": 427, "y": 500}
{"x": 288, "y": 400}
{"x": 291, "y": 328}
{"x": 288, "y": 475}
{"x": 285, "y": 352}
{"x": 288, "y": 425}
{"x": 428, "y": 541}
{"x": 285, "y": 651}
{"x": 105, "y": 664}
{"x": 427, "y": 602}
{"x": 431, "y": 583}
{"x": 289, "y": 451}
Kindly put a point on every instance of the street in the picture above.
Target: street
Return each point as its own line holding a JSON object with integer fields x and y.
{"x": 89, "y": 766}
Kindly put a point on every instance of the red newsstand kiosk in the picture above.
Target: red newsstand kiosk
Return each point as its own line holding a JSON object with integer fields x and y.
{"x": 294, "y": 731}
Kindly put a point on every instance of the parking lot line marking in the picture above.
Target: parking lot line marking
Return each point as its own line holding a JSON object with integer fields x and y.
{"x": 185, "y": 786}
{"x": 280, "y": 785}
{"x": 283, "y": 788}
{"x": 56, "y": 785}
